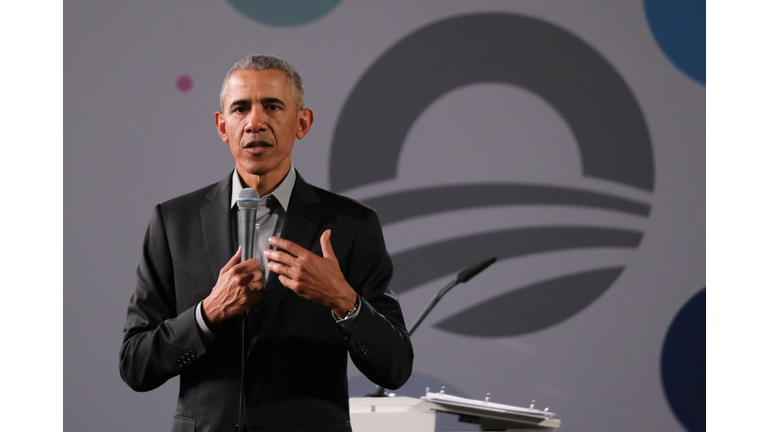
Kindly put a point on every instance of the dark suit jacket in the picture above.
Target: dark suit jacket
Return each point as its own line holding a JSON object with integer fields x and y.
{"x": 297, "y": 360}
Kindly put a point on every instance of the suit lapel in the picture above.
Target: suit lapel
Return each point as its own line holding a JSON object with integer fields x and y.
{"x": 220, "y": 246}
{"x": 301, "y": 224}
{"x": 217, "y": 229}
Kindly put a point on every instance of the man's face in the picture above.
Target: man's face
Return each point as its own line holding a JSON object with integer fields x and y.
{"x": 261, "y": 120}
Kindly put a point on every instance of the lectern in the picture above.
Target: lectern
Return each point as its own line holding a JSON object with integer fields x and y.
{"x": 407, "y": 414}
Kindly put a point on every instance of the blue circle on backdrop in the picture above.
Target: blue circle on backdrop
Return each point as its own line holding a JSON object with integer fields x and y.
{"x": 680, "y": 29}
{"x": 684, "y": 364}
{"x": 284, "y": 13}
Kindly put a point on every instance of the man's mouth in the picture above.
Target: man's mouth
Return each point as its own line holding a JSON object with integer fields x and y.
{"x": 256, "y": 146}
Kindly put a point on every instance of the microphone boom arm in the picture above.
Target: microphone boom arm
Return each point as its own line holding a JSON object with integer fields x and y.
{"x": 464, "y": 276}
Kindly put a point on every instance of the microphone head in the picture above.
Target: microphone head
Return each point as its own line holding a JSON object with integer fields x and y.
{"x": 474, "y": 270}
{"x": 248, "y": 199}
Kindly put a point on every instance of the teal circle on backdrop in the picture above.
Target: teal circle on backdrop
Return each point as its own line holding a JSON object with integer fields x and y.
{"x": 284, "y": 13}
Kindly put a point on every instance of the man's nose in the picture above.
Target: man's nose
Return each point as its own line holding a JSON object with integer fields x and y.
{"x": 257, "y": 121}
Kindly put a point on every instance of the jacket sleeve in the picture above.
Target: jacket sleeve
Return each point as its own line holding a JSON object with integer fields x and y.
{"x": 378, "y": 344}
{"x": 158, "y": 341}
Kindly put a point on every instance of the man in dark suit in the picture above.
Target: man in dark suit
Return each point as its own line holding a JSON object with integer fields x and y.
{"x": 314, "y": 301}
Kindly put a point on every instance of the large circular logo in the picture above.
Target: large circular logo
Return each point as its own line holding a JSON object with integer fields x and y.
{"x": 684, "y": 364}
{"x": 680, "y": 29}
{"x": 580, "y": 84}
{"x": 284, "y": 13}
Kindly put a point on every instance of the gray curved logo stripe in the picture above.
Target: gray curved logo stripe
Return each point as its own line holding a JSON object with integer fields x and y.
{"x": 398, "y": 206}
{"x": 575, "y": 79}
{"x": 428, "y": 262}
{"x": 589, "y": 94}
{"x": 533, "y": 307}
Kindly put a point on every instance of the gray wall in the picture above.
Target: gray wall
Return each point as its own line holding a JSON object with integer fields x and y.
{"x": 566, "y": 138}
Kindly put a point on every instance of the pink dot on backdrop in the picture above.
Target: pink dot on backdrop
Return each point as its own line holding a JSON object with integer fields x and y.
{"x": 184, "y": 83}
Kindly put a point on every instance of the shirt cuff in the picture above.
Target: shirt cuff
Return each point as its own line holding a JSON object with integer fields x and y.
{"x": 201, "y": 322}
{"x": 348, "y": 323}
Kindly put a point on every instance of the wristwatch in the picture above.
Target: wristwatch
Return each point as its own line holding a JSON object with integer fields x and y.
{"x": 351, "y": 312}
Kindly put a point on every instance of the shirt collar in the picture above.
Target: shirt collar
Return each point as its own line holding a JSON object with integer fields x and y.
{"x": 282, "y": 192}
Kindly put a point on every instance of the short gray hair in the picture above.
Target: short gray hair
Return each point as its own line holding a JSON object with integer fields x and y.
{"x": 257, "y": 62}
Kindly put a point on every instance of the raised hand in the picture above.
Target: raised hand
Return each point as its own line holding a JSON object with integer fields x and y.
{"x": 316, "y": 278}
{"x": 238, "y": 289}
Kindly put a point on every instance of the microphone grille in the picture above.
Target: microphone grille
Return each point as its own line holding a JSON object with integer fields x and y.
{"x": 248, "y": 199}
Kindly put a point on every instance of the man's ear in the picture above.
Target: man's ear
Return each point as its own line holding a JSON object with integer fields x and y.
{"x": 221, "y": 126}
{"x": 306, "y": 118}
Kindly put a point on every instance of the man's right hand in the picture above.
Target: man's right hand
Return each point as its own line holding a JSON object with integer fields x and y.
{"x": 238, "y": 289}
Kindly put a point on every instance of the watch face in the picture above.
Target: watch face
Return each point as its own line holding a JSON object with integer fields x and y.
{"x": 351, "y": 311}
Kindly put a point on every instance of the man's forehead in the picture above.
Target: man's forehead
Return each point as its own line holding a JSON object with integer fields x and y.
{"x": 272, "y": 81}
{"x": 264, "y": 76}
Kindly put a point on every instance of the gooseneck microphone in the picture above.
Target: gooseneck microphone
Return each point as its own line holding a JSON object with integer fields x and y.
{"x": 248, "y": 201}
{"x": 464, "y": 276}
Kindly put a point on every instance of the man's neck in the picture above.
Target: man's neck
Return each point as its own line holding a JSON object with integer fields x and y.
{"x": 263, "y": 184}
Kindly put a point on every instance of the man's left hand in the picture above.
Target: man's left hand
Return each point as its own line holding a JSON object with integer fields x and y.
{"x": 313, "y": 277}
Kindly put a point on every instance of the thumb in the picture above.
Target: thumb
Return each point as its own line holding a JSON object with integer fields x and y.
{"x": 232, "y": 261}
{"x": 325, "y": 244}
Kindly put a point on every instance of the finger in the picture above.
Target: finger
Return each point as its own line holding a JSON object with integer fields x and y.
{"x": 282, "y": 269}
{"x": 325, "y": 244}
{"x": 249, "y": 266}
{"x": 287, "y": 245}
{"x": 252, "y": 264}
{"x": 243, "y": 279}
{"x": 232, "y": 261}
{"x": 288, "y": 282}
{"x": 255, "y": 285}
{"x": 281, "y": 257}
{"x": 258, "y": 275}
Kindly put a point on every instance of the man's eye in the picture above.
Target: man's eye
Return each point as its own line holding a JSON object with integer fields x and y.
{"x": 273, "y": 107}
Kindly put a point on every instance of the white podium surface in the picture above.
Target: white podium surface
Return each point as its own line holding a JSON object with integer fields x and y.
{"x": 387, "y": 414}
{"x": 407, "y": 414}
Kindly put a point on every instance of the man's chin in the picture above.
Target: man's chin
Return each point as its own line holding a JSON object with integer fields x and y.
{"x": 261, "y": 167}
{"x": 252, "y": 169}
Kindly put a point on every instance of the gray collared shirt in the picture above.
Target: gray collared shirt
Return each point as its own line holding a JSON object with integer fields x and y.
{"x": 270, "y": 219}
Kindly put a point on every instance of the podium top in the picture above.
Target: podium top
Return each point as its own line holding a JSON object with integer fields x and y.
{"x": 490, "y": 415}
{"x": 445, "y": 399}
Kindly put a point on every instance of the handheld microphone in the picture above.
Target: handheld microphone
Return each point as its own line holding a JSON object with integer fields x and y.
{"x": 248, "y": 201}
